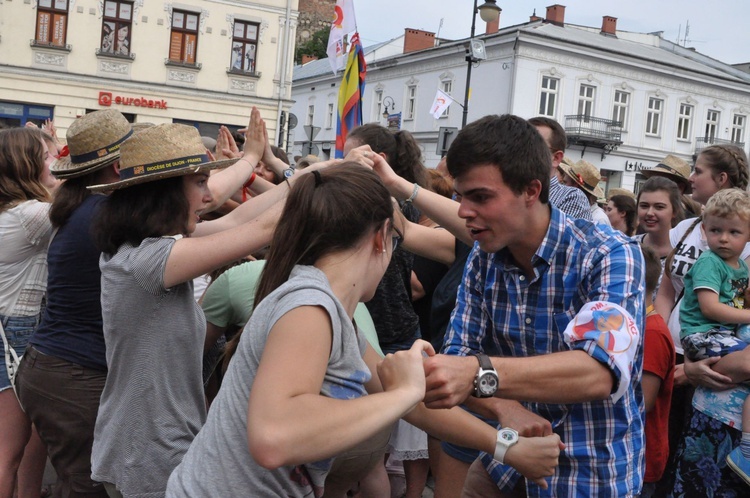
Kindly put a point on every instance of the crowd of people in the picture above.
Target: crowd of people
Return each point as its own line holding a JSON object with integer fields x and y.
{"x": 198, "y": 317}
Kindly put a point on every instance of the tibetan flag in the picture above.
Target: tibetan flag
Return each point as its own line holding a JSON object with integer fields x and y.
{"x": 343, "y": 24}
{"x": 350, "y": 94}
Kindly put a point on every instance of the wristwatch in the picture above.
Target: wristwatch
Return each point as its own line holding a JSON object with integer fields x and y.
{"x": 485, "y": 383}
{"x": 505, "y": 439}
{"x": 288, "y": 173}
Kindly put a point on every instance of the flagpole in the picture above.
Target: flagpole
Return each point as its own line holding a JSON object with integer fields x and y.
{"x": 470, "y": 61}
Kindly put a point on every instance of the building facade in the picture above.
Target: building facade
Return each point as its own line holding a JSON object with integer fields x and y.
{"x": 626, "y": 99}
{"x": 200, "y": 62}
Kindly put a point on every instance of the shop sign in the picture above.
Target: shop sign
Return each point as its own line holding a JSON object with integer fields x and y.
{"x": 635, "y": 166}
{"x": 106, "y": 99}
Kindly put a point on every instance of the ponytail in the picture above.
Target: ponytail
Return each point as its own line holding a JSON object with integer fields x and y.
{"x": 327, "y": 211}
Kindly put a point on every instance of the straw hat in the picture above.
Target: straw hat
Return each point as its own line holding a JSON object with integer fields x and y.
{"x": 673, "y": 168}
{"x": 162, "y": 151}
{"x": 586, "y": 176}
{"x": 620, "y": 191}
{"x": 93, "y": 142}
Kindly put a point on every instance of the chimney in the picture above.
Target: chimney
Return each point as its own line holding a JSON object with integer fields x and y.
{"x": 533, "y": 17}
{"x": 309, "y": 58}
{"x": 556, "y": 14}
{"x": 609, "y": 26}
{"x": 494, "y": 26}
{"x": 416, "y": 39}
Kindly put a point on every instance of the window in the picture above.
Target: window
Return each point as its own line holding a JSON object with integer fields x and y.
{"x": 586, "y": 100}
{"x": 116, "y": 27}
{"x": 377, "y": 108}
{"x": 51, "y": 22}
{"x": 183, "y": 44}
{"x": 684, "y": 122}
{"x": 712, "y": 124}
{"x": 411, "y": 102}
{"x": 738, "y": 128}
{"x": 310, "y": 114}
{"x": 447, "y": 87}
{"x": 620, "y": 108}
{"x": 653, "y": 117}
{"x": 329, "y": 116}
{"x": 549, "y": 96}
{"x": 244, "y": 46}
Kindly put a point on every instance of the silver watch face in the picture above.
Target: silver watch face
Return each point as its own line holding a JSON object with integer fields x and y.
{"x": 487, "y": 384}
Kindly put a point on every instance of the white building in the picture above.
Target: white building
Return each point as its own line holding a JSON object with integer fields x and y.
{"x": 626, "y": 99}
{"x": 201, "y": 62}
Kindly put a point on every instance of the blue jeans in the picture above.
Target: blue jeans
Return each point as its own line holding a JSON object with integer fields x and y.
{"x": 18, "y": 330}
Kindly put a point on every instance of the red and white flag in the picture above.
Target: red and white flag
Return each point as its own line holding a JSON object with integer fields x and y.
{"x": 343, "y": 24}
{"x": 440, "y": 104}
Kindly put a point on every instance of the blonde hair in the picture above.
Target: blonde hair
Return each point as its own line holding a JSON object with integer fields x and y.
{"x": 728, "y": 202}
{"x": 21, "y": 167}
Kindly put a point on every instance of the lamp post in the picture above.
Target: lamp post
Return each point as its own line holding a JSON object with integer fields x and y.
{"x": 388, "y": 106}
{"x": 488, "y": 11}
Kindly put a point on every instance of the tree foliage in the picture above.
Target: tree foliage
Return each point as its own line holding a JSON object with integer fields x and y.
{"x": 315, "y": 46}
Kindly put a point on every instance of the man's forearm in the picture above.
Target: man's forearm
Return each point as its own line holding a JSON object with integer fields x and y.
{"x": 565, "y": 377}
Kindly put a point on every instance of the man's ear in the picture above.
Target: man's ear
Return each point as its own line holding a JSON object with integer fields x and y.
{"x": 533, "y": 191}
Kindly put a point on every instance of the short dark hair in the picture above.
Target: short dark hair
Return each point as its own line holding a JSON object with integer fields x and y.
{"x": 510, "y": 143}
{"x": 558, "y": 138}
{"x": 132, "y": 214}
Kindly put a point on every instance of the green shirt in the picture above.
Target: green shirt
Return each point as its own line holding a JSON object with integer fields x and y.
{"x": 230, "y": 300}
{"x": 711, "y": 272}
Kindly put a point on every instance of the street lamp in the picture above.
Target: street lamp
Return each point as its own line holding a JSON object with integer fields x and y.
{"x": 388, "y": 103}
{"x": 489, "y": 12}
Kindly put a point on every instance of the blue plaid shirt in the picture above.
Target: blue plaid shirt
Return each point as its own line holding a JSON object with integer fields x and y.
{"x": 501, "y": 312}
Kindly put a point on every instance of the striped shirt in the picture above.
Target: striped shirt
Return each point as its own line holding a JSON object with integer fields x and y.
{"x": 501, "y": 312}
{"x": 569, "y": 200}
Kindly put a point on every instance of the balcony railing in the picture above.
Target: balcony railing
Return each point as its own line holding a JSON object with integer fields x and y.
{"x": 590, "y": 131}
{"x": 703, "y": 142}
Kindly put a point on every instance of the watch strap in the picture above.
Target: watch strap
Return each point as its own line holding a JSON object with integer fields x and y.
{"x": 484, "y": 362}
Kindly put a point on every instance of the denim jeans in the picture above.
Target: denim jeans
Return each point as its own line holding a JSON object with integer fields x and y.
{"x": 18, "y": 330}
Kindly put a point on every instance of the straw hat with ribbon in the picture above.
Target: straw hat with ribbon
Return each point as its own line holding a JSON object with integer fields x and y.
{"x": 94, "y": 142}
{"x": 674, "y": 168}
{"x": 162, "y": 151}
{"x": 585, "y": 176}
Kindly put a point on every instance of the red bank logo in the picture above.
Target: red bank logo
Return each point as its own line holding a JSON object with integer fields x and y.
{"x": 105, "y": 99}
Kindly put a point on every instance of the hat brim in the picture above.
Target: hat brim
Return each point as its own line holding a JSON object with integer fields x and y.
{"x": 598, "y": 192}
{"x": 675, "y": 178}
{"x": 75, "y": 173}
{"x": 189, "y": 170}
{"x": 64, "y": 168}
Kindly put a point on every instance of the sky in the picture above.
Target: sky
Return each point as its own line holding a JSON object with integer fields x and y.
{"x": 717, "y": 28}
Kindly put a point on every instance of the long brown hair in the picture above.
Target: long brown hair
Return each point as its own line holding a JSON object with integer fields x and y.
{"x": 728, "y": 159}
{"x": 327, "y": 211}
{"x": 21, "y": 167}
{"x": 72, "y": 193}
{"x": 401, "y": 150}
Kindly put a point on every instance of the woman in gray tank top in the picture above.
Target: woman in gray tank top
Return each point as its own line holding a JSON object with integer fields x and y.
{"x": 296, "y": 390}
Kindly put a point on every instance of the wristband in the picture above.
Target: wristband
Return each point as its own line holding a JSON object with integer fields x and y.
{"x": 247, "y": 185}
{"x": 413, "y": 194}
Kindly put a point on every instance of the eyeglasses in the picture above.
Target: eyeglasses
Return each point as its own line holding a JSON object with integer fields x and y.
{"x": 397, "y": 239}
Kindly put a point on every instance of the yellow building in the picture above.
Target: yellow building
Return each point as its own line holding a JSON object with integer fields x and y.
{"x": 201, "y": 62}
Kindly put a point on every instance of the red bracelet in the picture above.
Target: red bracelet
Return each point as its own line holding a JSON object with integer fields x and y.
{"x": 246, "y": 186}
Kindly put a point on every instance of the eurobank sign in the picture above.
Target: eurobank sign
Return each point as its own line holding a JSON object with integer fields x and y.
{"x": 106, "y": 99}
